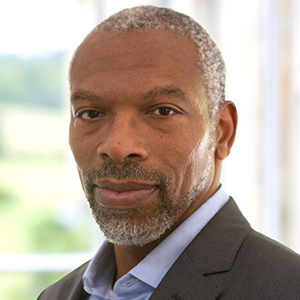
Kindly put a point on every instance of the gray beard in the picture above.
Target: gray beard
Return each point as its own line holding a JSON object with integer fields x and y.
{"x": 122, "y": 226}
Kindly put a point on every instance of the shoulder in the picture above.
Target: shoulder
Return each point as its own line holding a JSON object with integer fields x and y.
{"x": 261, "y": 252}
{"x": 262, "y": 269}
{"x": 265, "y": 269}
{"x": 67, "y": 287}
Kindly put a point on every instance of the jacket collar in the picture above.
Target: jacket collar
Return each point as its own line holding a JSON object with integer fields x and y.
{"x": 212, "y": 251}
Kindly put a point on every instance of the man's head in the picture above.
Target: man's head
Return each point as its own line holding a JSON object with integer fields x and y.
{"x": 209, "y": 58}
{"x": 148, "y": 128}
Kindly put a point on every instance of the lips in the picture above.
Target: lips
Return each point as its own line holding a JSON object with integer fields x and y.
{"x": 123, "y": 195}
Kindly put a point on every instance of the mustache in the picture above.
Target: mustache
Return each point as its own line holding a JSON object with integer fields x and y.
{"x": 129, "y": 170}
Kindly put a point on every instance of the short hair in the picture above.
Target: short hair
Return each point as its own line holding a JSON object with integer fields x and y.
{"x": 209, "y": 57}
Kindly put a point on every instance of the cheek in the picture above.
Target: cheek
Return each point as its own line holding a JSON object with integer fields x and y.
{"x": 82, "y": 148}
{"x": 182, "y": 148}
{"x": 181, "y": 157}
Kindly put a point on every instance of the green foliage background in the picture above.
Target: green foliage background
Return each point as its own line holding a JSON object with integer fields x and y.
{"x": 33, "y": 80}
{"x": 32, "y": 217}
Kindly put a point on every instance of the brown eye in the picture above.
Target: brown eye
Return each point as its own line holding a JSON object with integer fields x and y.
{"x": 164, "y": 111}
{"x": 90, "y": 114}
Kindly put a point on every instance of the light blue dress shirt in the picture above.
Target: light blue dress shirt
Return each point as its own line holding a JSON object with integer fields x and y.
{"x": 141, "y": 281}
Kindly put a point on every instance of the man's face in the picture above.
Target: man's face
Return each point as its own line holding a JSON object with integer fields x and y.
{"x": 140, "y": 132}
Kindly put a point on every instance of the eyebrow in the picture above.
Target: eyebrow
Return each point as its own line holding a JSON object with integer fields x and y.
{"x": 163, "y": 91}
{"x": 157, "y": 92}
{"x": 84, "y": 95}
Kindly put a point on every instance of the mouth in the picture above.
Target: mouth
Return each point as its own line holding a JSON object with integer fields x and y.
{"x": 123, "y": 195}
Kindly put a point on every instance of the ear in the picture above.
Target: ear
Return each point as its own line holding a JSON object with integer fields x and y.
{"x": 226, "y": 123}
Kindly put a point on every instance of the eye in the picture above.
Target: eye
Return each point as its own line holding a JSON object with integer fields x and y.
{"x": 164, "y": 111}
{"x": 88, "y": 115}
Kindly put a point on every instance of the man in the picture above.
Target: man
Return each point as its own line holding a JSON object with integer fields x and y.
{"x": 149, "y": 130}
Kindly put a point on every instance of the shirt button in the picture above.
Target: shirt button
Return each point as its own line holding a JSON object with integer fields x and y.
{"x": 129, "y": 283}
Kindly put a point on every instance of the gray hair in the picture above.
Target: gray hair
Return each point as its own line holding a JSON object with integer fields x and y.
{"x": 209, "y": 56}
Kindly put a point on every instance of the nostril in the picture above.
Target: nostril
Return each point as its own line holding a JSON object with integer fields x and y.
{"x": 132, "y": 155}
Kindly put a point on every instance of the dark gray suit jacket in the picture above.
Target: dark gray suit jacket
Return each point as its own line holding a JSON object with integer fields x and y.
{"x": 226, "y": 260}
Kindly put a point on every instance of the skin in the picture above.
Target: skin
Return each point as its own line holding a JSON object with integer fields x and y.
{"x": 113, "y": 118}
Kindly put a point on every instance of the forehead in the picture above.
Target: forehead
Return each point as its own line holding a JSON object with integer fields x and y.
{"x": 163, "y": 50}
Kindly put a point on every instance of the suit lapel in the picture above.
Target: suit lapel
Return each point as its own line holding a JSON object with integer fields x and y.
{"x": 73, "y": 288}
{"x": 184, "y": 281}
{"x": 216, "y": 246}
{"x": 212, "y": 251}
{"x": 77, "y": 292}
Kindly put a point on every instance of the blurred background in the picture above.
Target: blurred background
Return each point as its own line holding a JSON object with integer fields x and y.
{"x": 45, "y": 225}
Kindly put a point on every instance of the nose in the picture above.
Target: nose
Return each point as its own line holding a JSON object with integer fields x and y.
{"x": 123, "y": 141}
